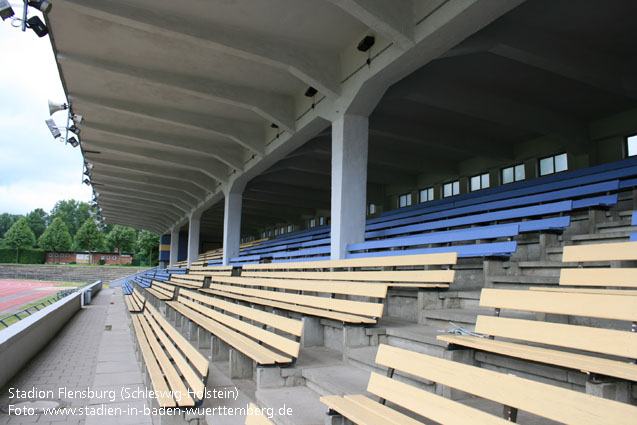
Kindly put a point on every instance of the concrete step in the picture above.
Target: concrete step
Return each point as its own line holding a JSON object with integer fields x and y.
{"x": 338, "y": 379}
{"x": 591, "y": 238}
{"x": 553, "y": 279}
{"x": 615, "y": 229}
{"x": 460, "y": 299}
{"x": 304, "y": 405}
{"x": 451, "y": 318}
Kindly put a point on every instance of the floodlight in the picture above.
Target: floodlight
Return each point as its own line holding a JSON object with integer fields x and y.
{"x": 74, "y": 129}
{"x": 54, "y": 107}
{"x": 53, "y": 128}
{"x": 5, "y": 10}
{"x": 310, "y": 92}
{"x": 366, "y": 43}
{"x": 89, "y": 165}
{"x": 37, "y": 26}
{"x": 87, "y": 182}
{"x": 73, "y": 142}
{"x": 41, "y": 5}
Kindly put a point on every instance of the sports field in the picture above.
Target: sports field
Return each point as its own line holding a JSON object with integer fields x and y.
{"x": 17, "y": 293}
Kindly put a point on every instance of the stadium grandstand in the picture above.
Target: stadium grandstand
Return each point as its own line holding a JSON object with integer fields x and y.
{"x": 371, "y": 212}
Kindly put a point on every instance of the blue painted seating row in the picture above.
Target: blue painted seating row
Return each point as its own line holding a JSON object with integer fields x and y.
{"x": 633, "y": 236}
{"x": 616, "y": 170}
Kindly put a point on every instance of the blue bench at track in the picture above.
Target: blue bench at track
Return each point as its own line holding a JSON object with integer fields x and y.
{"x": 495, "y": 249}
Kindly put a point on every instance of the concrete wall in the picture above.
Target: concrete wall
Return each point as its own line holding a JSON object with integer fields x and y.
{"x": 20, "y": 342}
{"x": 63, "y": 273}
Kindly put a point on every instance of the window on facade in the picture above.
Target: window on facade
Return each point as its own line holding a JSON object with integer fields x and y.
{"x": 451, "y": 189}
{"x": 56, "y": 254}
{"x": 102, "y": 257}
{"x": 108, "y": 257}
{"x": 312, "y": 222}
{"x": 114, "y": 257}
{"x": 50, "y": 254}
{"x": 631, "y": 145}
{"x": 513, "y": 174}
{"x": 321, "y": 221}
{"x": 371, "y": 209}
{"x": 68, "y": 255}
{"x": 553, "y": 164}
{"x": 404, "y": 200}
{"x": 480, "y": 182}
{"x": 427, "y": 195}
{"x": 290, "y": 228}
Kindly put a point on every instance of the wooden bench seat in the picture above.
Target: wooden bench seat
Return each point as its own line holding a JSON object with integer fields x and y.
{"x": 223, "y": 319}
{"x": 544, "y": 400}
{"x": 135, "y": 302}
{"x": 188, "y": 281}
{"x": 177, "y": 371}
{"x": 211, "y": 271}
{"x": 593, "y": 343}
{"x": 162, "y": 291}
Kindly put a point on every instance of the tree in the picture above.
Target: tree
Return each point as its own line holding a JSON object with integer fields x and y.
{"x": 88, "y": 237}
{"x": 146, "y": 244}
{"x": 37, "y": 221}
{"x": 19, "y": 236}
{"x": 122, "y": 238}
{"x": 56, "y": 237}
{"x": 72, "y": 213}
{"x": 6, "y": 221}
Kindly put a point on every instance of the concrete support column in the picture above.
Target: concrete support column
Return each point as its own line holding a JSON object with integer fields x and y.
{"x": 349, "y": 182}
{"x": 232, "y": 224}
{"x": 174, "y": 245}
{"x": 193, "y": 236}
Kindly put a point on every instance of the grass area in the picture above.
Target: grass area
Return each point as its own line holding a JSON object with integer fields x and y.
{"x": 110, "y": 266}
{"x": 13, "y": 319}
{"x": 52, "y": 282}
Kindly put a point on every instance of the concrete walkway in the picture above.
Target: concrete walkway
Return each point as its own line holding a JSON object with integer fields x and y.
{"x": 90, "y": 364}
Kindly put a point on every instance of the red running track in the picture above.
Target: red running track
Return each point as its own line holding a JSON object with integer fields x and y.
{"x": 10, "y": 291}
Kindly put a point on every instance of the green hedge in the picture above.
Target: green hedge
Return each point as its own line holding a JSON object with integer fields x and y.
{"x": 27, "y": 256}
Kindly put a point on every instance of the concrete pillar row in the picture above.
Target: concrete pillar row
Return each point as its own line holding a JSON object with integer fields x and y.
{"x": 349, "y": 182}
{"x": 174, "y": 245}
{"x": 193, "y": 236}
{"x": 232, "y": 222}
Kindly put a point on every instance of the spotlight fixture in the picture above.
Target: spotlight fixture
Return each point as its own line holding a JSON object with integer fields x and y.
{"x": 54, "y": 107}
{"x": 37, "y": 26}
{"x": 41, "y": 5}
{"x": 310, "y": 92}
{"x": 74, "y": 129}
{"x": 5, "y": 10}
{"x": 89, "y": 165}
{"x": 366, "y": 43}
{"x": 53, "y": 128}
{"x": 73, "y": 142}
{"x": 87, "y": 182}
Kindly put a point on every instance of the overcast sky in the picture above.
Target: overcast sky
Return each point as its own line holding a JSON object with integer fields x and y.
{"x": 35, "y": 170}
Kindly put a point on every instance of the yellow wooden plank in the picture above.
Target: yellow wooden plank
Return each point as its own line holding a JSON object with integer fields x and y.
{"x": 291, "y": 326}
{"x": 158, "y": 294}
{"x": 199, "y": 361}
{"x": 189, "y": 374}
{"x": 387, "y": 414}
{"x": 597, "y": 340}
{"x": 622, "y": 292}
{"x": 129, "y": 305}
{"x": 257, "y": 419}
{"x": 429, "y": 405}
{"x": 576, "y": 304}
{"x": 154, "y": 371}
{"x": 621, "y": 277}
{"x": 326, "y": 286}
{"x": 179, "y": 389}
{"x": 347, "y": 306}
{"x": 334, "y": 315}
{"x": 247, "y": 346}
{"x": 584, "y": 363}
{"x": 619, "y": 251}
{"x": 279, "y": 342}
{"x": 416, "y": 276}
{"x": 549, "y": 401}
{"x": 354, "y": 412}
{"x": 446, "y": 258}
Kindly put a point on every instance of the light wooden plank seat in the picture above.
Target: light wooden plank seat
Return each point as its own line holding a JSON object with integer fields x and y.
{"x": 593, "y": 345}
{"x": 422, "y": 271}
{"x": 161, "y": 291}
{"x": 135, "y": 302}
{"x": 189, "y": 281}
{"x": 256, "y": 416}
{"x": 262, "y": 343}
{"x": 544, "y": 400}
{"x": 177, "y": 371}
{"x": 625, "y": 292}
{"x": 211, "y": 270}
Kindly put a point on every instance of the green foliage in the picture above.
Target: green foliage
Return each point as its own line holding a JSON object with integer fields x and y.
{"x": 19, "y": 236}
{"x": 37, "y": 221}
{"x": 122, "y": 238}
{"x": 72, "y": 213}
{"x": 148, "y": 245}
{"x": 88, "y": 238}
{"x": 27, "y": 256}
{"x": 6, "y": 221}
{"x": 56, "y": 237}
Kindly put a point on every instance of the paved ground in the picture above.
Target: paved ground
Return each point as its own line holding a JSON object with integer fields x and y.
{"x": 85, "y": 357}
{"x": 16, "y": 293}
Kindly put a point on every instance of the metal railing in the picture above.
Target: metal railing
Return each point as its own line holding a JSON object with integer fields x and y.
{"x": 38, "y": 306}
